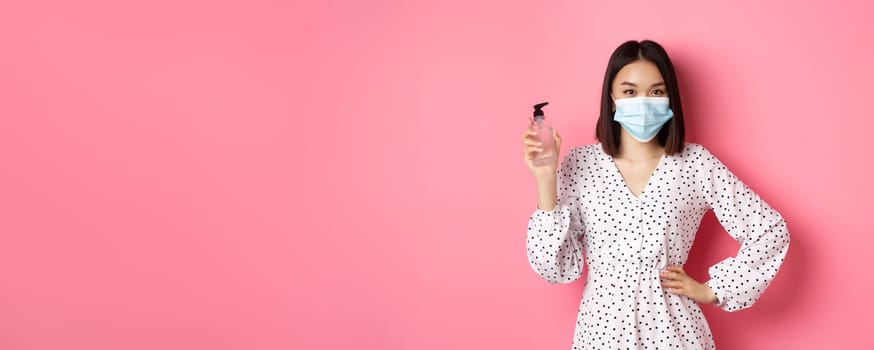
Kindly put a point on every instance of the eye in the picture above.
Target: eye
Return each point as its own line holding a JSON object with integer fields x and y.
{"x": 628, "y": 92}
{"x": 658, "y": 92}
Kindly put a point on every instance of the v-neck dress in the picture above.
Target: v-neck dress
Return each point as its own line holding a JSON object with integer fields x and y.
{"x": 626, "y": 240}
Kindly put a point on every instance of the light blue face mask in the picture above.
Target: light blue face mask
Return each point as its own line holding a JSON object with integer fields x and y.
{"x": 642, "y": 117}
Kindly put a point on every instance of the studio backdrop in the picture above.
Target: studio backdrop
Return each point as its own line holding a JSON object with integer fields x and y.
{"x": 349, "y": 174}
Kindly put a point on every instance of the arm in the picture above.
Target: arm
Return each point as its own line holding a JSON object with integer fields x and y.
{"x": 761, "y": 231}
{"x": 553, "y": 240}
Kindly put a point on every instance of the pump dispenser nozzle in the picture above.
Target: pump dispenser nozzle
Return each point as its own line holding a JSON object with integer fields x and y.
{"x": 537, "y": 109}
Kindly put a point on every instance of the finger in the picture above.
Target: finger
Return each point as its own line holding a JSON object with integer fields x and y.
{"x": 528, "y": 133}
{"x": 530, "y": 137}
{"x": 531, "y": 150}
{"x": 676, "y": 268}
{"x": 671, "y": 275}
{"x": 672, "y": 284}
{"x": 529, "y": 154}
{"x": 532, "y": 142}
{"x": 677, "y": 291}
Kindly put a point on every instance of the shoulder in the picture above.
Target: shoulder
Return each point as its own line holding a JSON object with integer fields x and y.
{"x": 692, "y": 149}
{"x": 585, "y": 153}
{"x": 696, "y": 153}
{"x": 699, "y": 156}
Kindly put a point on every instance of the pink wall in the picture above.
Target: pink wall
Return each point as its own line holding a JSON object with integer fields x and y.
{"x": 348, "y": 175}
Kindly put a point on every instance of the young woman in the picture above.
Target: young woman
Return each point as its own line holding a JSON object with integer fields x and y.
{"x": 630, "y": 206}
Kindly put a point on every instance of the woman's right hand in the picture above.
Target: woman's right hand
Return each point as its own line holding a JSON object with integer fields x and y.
{"x": 546, "y": 172}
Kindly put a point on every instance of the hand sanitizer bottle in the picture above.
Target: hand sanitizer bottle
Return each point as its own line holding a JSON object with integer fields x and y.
{"x": 544, "y": 136}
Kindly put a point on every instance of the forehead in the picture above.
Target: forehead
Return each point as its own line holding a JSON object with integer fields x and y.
{"x": 639, "y": 72}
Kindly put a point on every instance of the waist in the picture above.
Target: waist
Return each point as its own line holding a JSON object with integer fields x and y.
{"x": 631, "y": 267}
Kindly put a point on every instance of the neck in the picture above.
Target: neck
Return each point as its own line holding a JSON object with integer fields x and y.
{"x": 634, "y": 150}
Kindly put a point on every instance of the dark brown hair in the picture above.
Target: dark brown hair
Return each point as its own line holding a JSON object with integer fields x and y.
{"x": 607, "y": 131}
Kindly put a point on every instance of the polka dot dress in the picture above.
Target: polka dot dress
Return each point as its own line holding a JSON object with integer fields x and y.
{"x": 627, "y": 240}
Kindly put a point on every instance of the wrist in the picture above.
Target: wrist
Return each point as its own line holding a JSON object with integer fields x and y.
{"x": 711, "y": 297}
{"x": 546, "y": 180}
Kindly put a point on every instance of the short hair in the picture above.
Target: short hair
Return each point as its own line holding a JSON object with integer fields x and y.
{"x": 671, "y": 136}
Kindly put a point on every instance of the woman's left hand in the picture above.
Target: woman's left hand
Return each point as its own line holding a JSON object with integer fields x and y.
{"x": 676, "y": 281}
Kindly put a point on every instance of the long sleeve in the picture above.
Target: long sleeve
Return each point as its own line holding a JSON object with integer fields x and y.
{"x": 553, "y": 240}
{"x": 739, "y": 281}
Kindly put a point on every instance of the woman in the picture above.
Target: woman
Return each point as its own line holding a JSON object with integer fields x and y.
{"x": 630, "y": 206}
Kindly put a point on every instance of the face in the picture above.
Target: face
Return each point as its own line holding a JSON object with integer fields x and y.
{"x": 639, "y": 78}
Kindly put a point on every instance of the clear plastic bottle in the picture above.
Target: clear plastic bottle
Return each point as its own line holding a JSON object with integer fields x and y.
{"x": 544, "y": 136}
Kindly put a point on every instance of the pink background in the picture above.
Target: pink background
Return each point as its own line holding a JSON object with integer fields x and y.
{"x": 348, "y": 174}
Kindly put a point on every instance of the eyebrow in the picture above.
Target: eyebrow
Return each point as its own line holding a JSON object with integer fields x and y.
{"x": 661, "y": 83}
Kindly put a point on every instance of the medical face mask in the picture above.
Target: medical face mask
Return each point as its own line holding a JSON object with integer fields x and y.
{"x": 642, "y": 117}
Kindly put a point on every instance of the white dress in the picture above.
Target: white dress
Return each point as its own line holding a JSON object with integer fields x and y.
{"x": 626, "y": 241}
